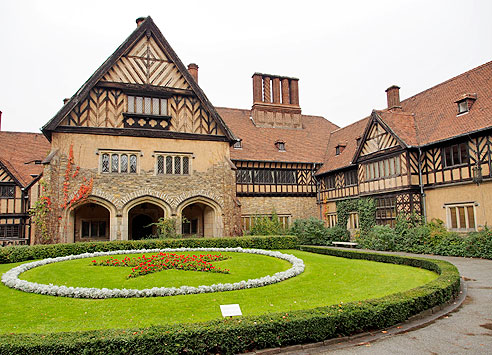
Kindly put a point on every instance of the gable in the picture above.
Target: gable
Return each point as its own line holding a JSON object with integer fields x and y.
{"x": 146, "y": 70}
{"x": 5, "y": 176}
{"x": 146, "y": 64}
{"x": 377, "y": 139}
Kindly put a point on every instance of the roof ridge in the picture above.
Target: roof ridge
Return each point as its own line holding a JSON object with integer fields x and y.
{"x": 449, "y": 80}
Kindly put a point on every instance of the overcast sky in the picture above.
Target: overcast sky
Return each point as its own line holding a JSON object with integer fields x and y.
{"x": 345, "y": 53}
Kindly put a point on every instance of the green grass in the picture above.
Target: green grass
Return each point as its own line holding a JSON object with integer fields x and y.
{"x": 326, "y": 280}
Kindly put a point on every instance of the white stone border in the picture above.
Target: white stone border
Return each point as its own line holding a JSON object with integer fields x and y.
{"x": 11, "y": 277}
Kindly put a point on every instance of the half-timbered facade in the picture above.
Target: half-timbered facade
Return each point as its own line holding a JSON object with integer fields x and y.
{"x": 140, "y": 141}
{"x": 21, "y": 155}
{"x": 429, "y": 154}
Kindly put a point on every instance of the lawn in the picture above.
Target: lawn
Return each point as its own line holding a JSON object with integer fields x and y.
{"x": 326, "y": 280}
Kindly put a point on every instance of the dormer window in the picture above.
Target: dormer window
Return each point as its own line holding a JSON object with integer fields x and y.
{"x": 339, "y": 148}
{"x": 147, "y": 105}
{"x": 358, "y": 140}
{"x": 465, "y": 103}
{"x": 462, "y": 107}
{"x": 280, "y": 145}
{"x": 238, "y": 145}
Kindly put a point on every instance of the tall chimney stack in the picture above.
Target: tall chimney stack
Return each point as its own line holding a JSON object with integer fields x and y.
{"x": 139, "y": 21}
{"x": 193, "y": 70}
{"x": 393, "y": 96}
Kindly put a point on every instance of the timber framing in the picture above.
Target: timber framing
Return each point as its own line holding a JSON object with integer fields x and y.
{"x": 141, "y": 132}
{"x": 146, "y": 28}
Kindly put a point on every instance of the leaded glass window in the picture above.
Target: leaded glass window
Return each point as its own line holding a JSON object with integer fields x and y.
{"x": 177, "y": 165}
{"x": 169, "y": 165}
{"x": 7, "y": 191}
{"x": 124, "y": 163}
{"x": 105, "y": 163}
{"x": 147, "y": 105}
{"x": 186, "y": 165}
{"x": 160, "y": 164}
{"x": 133, "y": 164}
{"x": 115, "y": 158}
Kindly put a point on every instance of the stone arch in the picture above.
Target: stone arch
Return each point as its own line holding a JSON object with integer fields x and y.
{"x": 131, "y": 205}
{"x": 71, "y": 224}
{"x": 209, "y": 223}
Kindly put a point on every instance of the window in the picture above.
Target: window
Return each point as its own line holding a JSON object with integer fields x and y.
{"x": 285, "y": 177}
{"x": 173, "y": 164}
{"x": 190, "y": 227}
{"x": 330, "y": 182}
{"x": 244, "y": 176}
{"x": 93, "y": 229}
{"x": 383, "y": 169}
{"x": 461, "y": 217}
{"x": 238, "y": 145}
{"x": 7, "y": 191}
{"x": 248, "y": 221}
{"x": 350, "y": 178}
{"x": 118, "y": 162}
{"x": 456, "y": 154}
{"x": 353, "y": 221}
{"x": 147, "y": 105}
{"x": 263, "y": 176}
{"x": 337, "y": 150}
{"x": 280, "y": 145}
{"x": 386, "y": 211}
{"x": 331, "y": 219}
{"x": 462, "y": 106}
{"x": 10, "y": 231}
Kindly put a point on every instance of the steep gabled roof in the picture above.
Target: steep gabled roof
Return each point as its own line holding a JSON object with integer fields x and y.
{"x": 347, "y": 135}
{"x": 18, "y": 153}
{"x": 306, "y": 145}
{"x": 435, "y": 109}
{"x": 147, "y": 27}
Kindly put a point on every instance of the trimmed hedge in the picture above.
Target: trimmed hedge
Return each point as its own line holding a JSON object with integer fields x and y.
{"x": 230, "y": 336}
{"x": 14, "y": 254}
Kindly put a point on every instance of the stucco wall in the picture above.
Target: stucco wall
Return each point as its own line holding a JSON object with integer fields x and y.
{"x": 297, "y": 207}
{"x": 481, "y": 195}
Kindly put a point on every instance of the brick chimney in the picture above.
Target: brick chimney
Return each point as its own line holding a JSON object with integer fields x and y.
{"x": 139, "y": 21}
{"x": 393, "y": 96}
{"x": 276, "y": 101}
{"x": 193, "y": 70}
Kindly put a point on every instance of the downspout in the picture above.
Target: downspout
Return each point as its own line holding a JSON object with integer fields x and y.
{"x": 318, "y": 193}
{"x": 421, "y": 185}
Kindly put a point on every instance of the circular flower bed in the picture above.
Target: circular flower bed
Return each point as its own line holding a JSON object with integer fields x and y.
{"x": 11, "y": 277}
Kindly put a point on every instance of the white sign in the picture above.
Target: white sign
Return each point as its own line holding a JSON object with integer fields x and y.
{"x": 230, "y": 310}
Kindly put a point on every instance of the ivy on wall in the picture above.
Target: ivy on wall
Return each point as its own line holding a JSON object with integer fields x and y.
{"x": 366, "y": 209}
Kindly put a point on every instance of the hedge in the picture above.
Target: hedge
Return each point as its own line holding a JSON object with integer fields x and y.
{"x": 14, "y": 254}
{"x": 230, "y": 336}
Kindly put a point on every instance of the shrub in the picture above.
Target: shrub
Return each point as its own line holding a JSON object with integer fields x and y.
{"x": 339, "y": 234}
{"x": 379, "y": 238}
{"x": 265, "y": 225}
{"x": 231, "y": 336}
{"x": 311, "y": 231}
{"x": 166, "y": 228}
{"x": 479, "y": 244}
{"x": 13, "y": 254}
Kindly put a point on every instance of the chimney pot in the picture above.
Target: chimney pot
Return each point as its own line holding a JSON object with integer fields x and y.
{"x": 193, "y": 70}
{"x": 139, "y": 21}
{"x": 393, "y": 97}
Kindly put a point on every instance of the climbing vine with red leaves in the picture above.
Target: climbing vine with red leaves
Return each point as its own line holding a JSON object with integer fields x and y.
{"x": 84, "y": 189}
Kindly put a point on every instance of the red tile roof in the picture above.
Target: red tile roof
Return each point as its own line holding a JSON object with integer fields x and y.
{"x": 301, "y": 145}
{"x": 19, "y": 148}
{"x": 435, "y": 109}
{"x": 426, "y": 118}
{"x": 348, "y": 135}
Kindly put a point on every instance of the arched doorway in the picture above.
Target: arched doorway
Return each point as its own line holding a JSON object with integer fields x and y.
{"x": 141, "y": 218}
{"x": 200, "y": 217}
{"x": 91, "y": 222}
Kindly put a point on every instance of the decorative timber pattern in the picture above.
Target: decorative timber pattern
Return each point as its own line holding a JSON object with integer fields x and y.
{"x": 339, "y": 185}
{"x": 5, "y": 176}
{"x": 274, "y": 179}
{"x": 147, "y": 64}
{"x": 102, "y": 108}
{"x": 188, "y": 116}
{"x": 378, "y": 139}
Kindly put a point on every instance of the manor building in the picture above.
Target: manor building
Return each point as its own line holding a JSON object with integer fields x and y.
{"x": 140, "y": 141}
